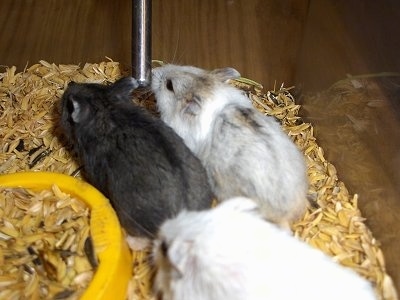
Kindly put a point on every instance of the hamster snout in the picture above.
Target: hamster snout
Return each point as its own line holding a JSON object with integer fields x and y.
{"x": 229, "y": 252}
{"x": 245, "y": 153}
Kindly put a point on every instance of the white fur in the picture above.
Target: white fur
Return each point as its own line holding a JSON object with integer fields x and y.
{"x": 229, "y": 252}
{"x": 225, "y": 95}
{"x": 241, "y": 160}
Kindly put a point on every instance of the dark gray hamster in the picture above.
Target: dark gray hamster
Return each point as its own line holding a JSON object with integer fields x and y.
{"x": 133, "y": 158}
{"x": 244, "y": 152}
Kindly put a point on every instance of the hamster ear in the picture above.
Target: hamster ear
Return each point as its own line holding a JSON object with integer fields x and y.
{"x": 225, "y": 74}
{"x": 123, "y": 88}
{"x": 76, "y": 110}
{"x": 181, "y": 257}
{"x": 193, "y": 105}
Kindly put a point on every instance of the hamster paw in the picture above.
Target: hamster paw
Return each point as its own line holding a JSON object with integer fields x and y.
{"x": 136, "y": 243}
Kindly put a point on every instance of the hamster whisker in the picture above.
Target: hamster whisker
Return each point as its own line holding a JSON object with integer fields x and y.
{"x": 157, "y": 76}
{"x": 143, "y": 92}
{"x": 177, "y": 45}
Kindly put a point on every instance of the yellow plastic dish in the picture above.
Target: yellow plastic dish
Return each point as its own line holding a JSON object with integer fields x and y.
{"x": 111, "y": 278}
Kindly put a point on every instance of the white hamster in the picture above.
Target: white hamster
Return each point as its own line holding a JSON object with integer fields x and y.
{"x": 229, "y": 252}
{"x": 245, "y": 153}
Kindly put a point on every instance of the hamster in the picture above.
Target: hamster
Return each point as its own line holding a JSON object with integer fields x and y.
{"x": 244, "y": 152}
{"x": 230, "y": 252}
{"x": 133, "y": 158}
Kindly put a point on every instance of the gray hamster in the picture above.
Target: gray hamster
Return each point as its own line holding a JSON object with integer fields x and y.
{"x": 230, "y": 252}
{"x": 244, "y": 152}
{"x": 133, "y": 158}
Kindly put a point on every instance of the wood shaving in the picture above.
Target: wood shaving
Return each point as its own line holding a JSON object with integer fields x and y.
{"x": 42, "y": 237}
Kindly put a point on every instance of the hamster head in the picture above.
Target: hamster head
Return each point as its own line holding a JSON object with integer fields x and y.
{"x": 191, "y": 250}
{"x": 186, "y": 224}
{"x": 83, "y": 105}
{"x": 183, "y": 242}
{"x": 189, "y": 96}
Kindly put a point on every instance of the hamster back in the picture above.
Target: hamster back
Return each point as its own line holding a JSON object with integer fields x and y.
{"x": 137, "y": 161}
{"x": 229, "y": 252}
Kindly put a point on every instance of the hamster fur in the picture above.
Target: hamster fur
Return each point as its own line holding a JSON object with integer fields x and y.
{"x": 133, "y": 158}
{"x": 244, "y": 152}
{"x": 229, "y": 252}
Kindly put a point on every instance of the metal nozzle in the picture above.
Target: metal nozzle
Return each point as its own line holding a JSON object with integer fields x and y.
{"x": 141, "y": 41}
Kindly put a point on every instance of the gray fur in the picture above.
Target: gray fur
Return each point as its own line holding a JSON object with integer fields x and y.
{"x": 134, "y": 159}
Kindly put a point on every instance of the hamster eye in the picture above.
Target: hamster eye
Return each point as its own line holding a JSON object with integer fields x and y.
{"x": 169, "y": 85}
{"x": 159, "y": 295}
{"x": 164, "y": 248}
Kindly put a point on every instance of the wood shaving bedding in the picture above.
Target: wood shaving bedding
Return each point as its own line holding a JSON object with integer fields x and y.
{"x": 30, "y": 141}
{"x": 43, "y": 238}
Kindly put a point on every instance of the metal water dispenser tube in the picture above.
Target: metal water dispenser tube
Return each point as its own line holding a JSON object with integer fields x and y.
{"x": 141, "y": 41}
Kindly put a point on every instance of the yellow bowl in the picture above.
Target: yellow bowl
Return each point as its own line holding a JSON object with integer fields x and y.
{"x": 111, "y": 278}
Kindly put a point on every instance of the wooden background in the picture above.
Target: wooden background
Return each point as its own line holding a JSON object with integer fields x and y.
{"x": 308, "y": 43}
